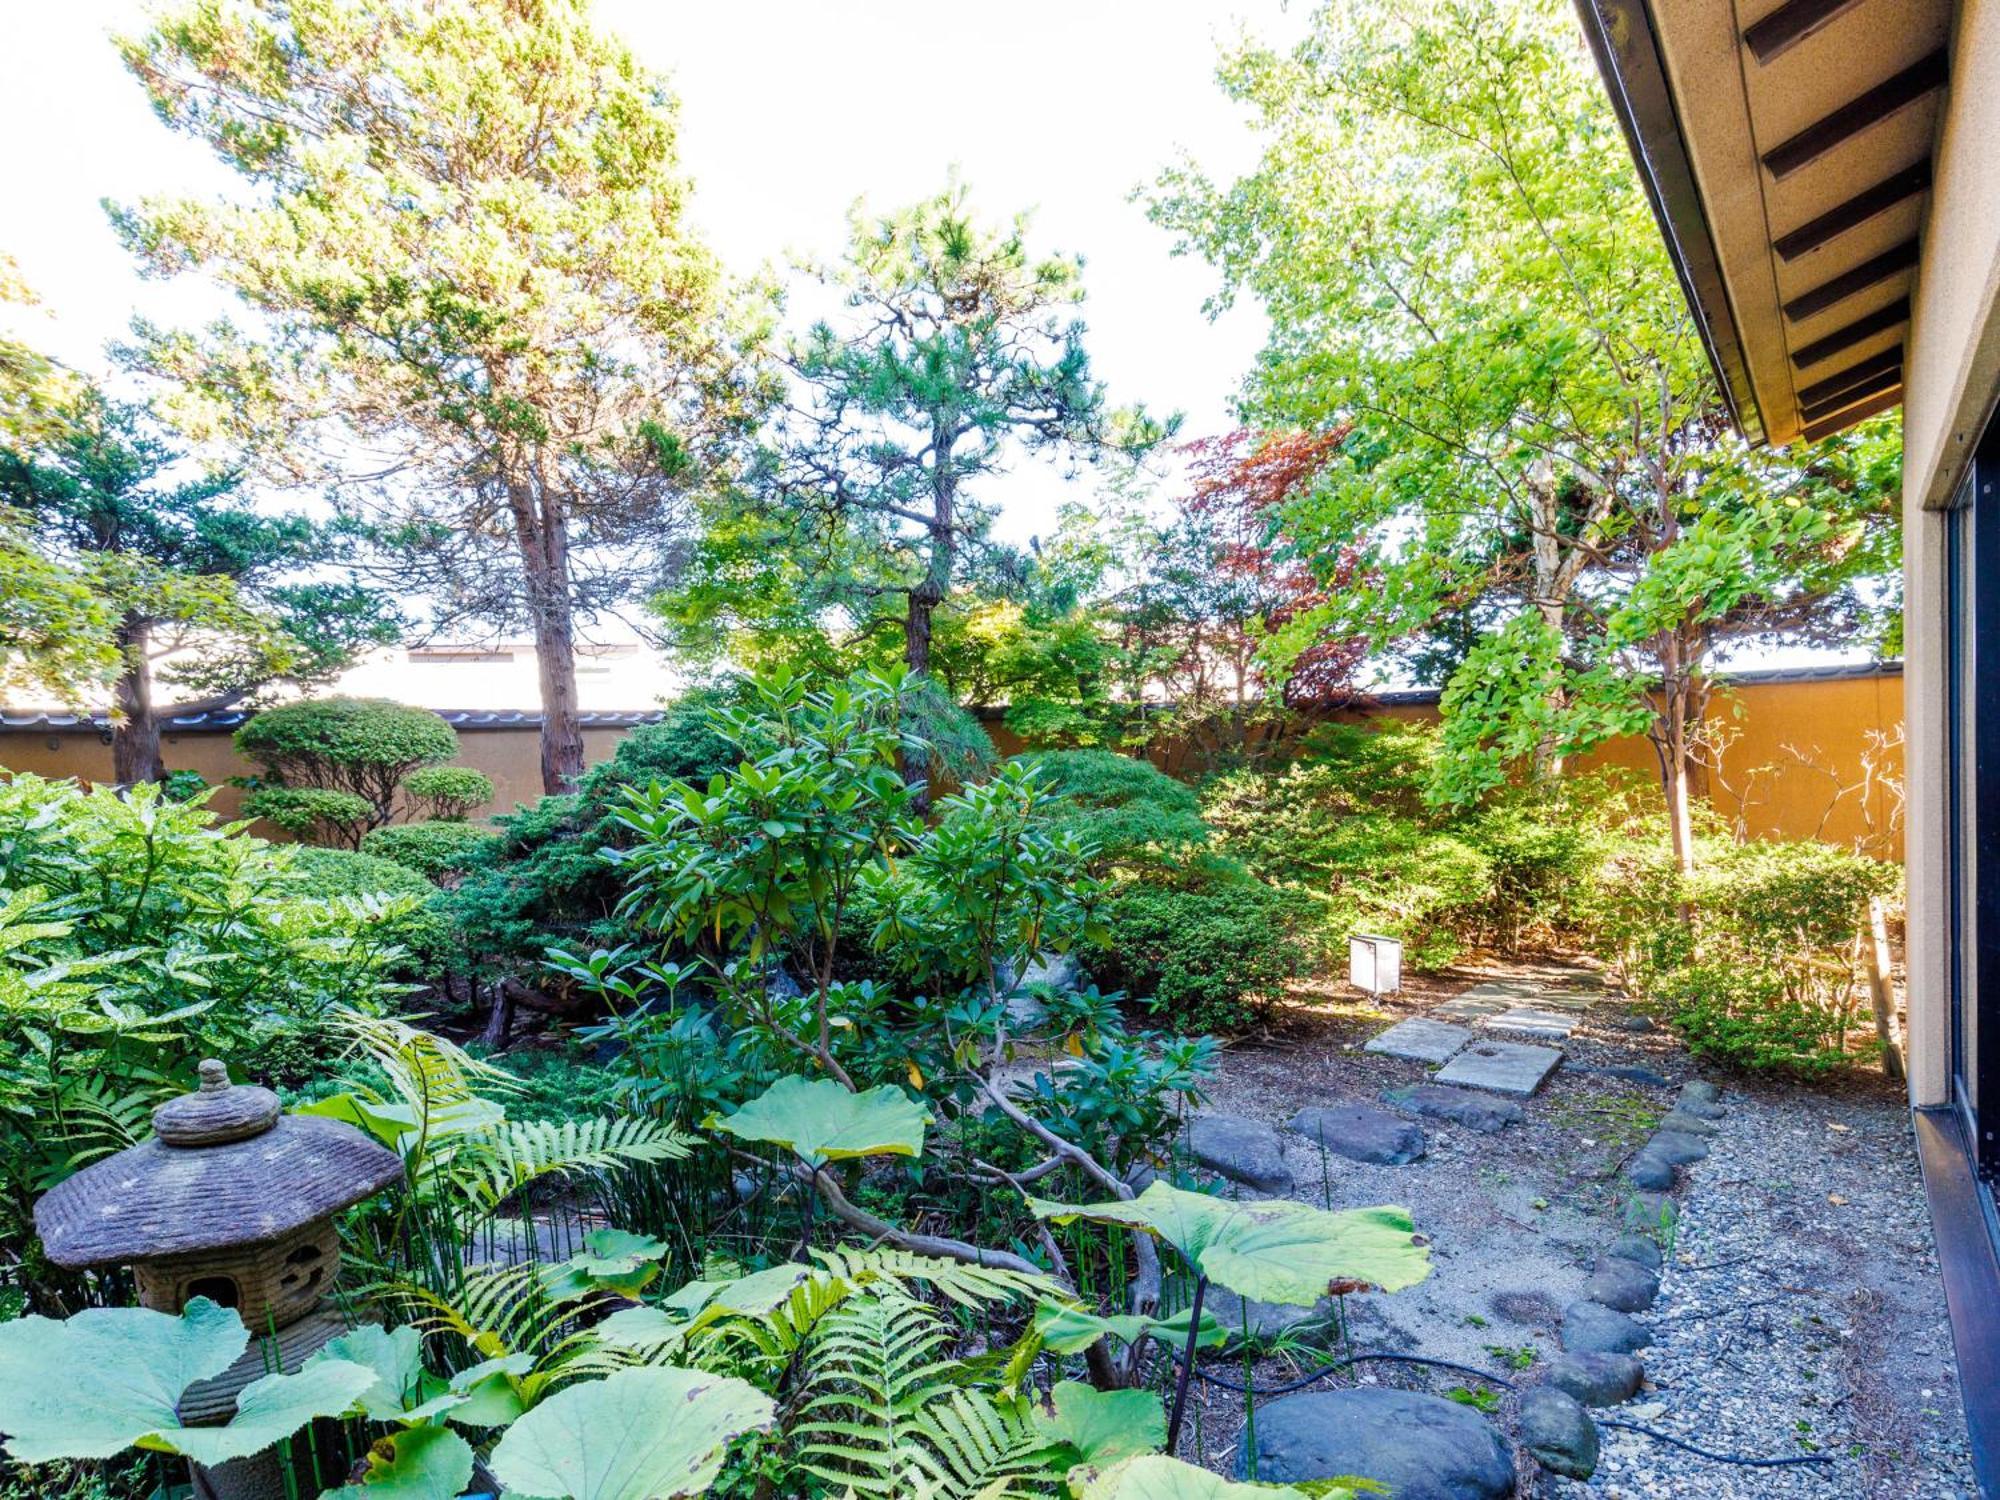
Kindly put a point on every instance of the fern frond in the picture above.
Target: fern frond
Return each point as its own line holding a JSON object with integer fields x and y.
{"x": 425, "y": 1071}
{"x": 955, "y": 1280}
{"x": 499, "y": 1162}
{"x": 977, "y": 1449}
{"x": 874, "y": 1368}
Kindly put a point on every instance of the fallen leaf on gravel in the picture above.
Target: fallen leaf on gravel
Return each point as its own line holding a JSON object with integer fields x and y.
{"x": 1836, "y": 1200}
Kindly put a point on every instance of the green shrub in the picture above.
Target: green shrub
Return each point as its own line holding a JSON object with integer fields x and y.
{"x": 419, "y": 925}
{"x": 312, "y": 814}
{"x": 1212, "y": 951}
{"x": 137, "y": 936}
{"x": 449, "y": 793}
{"x": 1132, "y": 813}
{"x": 435, "y": 850}
{"x": 1767, "y": 975}
{"x": 544, "y": 878}
{"x": 365, "y": 746}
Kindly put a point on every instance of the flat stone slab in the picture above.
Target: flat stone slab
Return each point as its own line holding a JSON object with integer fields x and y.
{"x": 1535, "y": 1020}
{"x": 1421, "y": 1040}
{"x": 1361, "y": 1132}
{"x": 1503, "y": 1067}
{"x": 1245, "y": 1151}
{"x": 1460, "y": 1106}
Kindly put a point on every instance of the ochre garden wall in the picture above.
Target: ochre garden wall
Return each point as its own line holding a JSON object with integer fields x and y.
{"x": 1794, "y": 767}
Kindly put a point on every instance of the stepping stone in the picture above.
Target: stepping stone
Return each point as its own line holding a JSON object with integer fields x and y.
{"x": 1650, "y": 1170}
{"x": 1491, "y": 998}
{"x": 1622, "y": 1285}
{"x": 1504, "y": 1067}
{"x": 1680, "y": 1122}
{"x": 1245, "y": 1151}
{"x": 1534, "y": 1020}
{"x": 1597, "y": 1378}
{"x": 1591, "y": 1327}
{"x": 1461, "y": 1107}
{"x": 1636, "y": 1247}
{"x": 1558, "y": 1432}
{"x": 1419, "y": 1447}
{"x": 1267, "y": 1319}
{"x": 1676, "y": 1149}
{"x": 1361, "y": 1132}
{"x": 1420, "y": 1040}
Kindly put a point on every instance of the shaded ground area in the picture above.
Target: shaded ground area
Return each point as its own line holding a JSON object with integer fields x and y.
{"x": 1799, "y": 1310}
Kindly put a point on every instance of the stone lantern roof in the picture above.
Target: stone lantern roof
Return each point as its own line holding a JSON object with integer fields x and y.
{"x": 224, "y": 1169}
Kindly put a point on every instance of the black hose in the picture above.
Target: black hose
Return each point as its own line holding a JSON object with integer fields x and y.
{"x": 1721, "y": 1458}
{"x": 1384, "y": 1357}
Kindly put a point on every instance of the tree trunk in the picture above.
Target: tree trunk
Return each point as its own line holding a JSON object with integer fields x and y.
{"x": 135, "y": 734}
{"x": 542, "y": 529}
{"x": 1881, "y": 991}
{"x": 1546, "y": 549}
{"x": 917, "y": 631}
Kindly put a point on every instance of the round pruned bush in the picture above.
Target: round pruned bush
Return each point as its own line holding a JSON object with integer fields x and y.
{"x": 330, "y": 874}
{"x": 437, "y": 849}
{"x": 1212, "y": 951}
{"x": 313, "y": 815}
{"x": 448, "y": 793}
{"x": 1131, "y": 813}
{"x": 366, "y": 746}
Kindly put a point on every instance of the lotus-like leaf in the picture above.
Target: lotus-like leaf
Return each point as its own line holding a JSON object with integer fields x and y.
{"x": 1157, "y": 1477}
{"x": 1071, "y": 1330}
{"x": 821, "y": 1122}
{"x": 651, "y": 1434}
{"x": 1271, "y": 1250}
{"x": 418, "y": 1463}
{"x": 404, "y": 1391}
{"x": 488, "y": 1396}
{"x": 112, "y": 1378}
{"x": 612, "y": 1260}
{"x": 1104, "y": 1426}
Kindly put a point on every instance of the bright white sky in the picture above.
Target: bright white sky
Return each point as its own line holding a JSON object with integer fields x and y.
{"x": 791, "y": 109}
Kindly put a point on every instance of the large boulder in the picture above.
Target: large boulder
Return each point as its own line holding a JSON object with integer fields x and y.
{"x": 1650, "y": 1170}
{"x": 1419, "y": 1447}
{"x": 1559, "y": 1432}
{"x": 1636, "y": 1247}
{"x": 1245, "y": 1151}
{"x": 1677, "y": 1150}
{"x": 1361, "y": 1132}
{"x": 1481, "y": 1112}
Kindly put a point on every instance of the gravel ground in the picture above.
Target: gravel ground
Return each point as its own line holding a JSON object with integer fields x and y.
{"x": 1801, "y": 1305}
{"x": 1802, "y": 1310}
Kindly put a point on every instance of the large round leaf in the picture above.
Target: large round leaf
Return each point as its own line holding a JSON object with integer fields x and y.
{"x": 1272, "y": 1250}
{"x": 821, "y": 1121}
{"x": 1103, "y": 1426}
{"x": 651, "y": 1434}
{"x": 110, "y": 1379}
{"x": 1071, "y": 1330}
{"x": 1157, "y": 1477}
{"x": 418, "y": 1463}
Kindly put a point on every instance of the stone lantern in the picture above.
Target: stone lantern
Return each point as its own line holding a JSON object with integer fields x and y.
{"x": 233, "y": 1201}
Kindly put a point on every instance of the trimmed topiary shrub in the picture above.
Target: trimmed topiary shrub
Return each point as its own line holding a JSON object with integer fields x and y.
{"x": 326, "y": 874}
{"x": 365, "y": 746}
{"x": 448, "y": 793}
{"x": 313, "y": 814}
{"x": 1131, "y": 812}
{"x": 1212, "y": 951}
{"x": 437, "y": 849}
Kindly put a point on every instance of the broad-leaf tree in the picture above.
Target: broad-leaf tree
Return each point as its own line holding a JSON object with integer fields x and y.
{"x": 1462, "y": 272}
{"x": 191, "y": 570}
{"x": 476, "y": 302}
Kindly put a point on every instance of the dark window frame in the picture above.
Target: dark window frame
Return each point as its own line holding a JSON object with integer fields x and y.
{"x": 1972, "y": 714}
